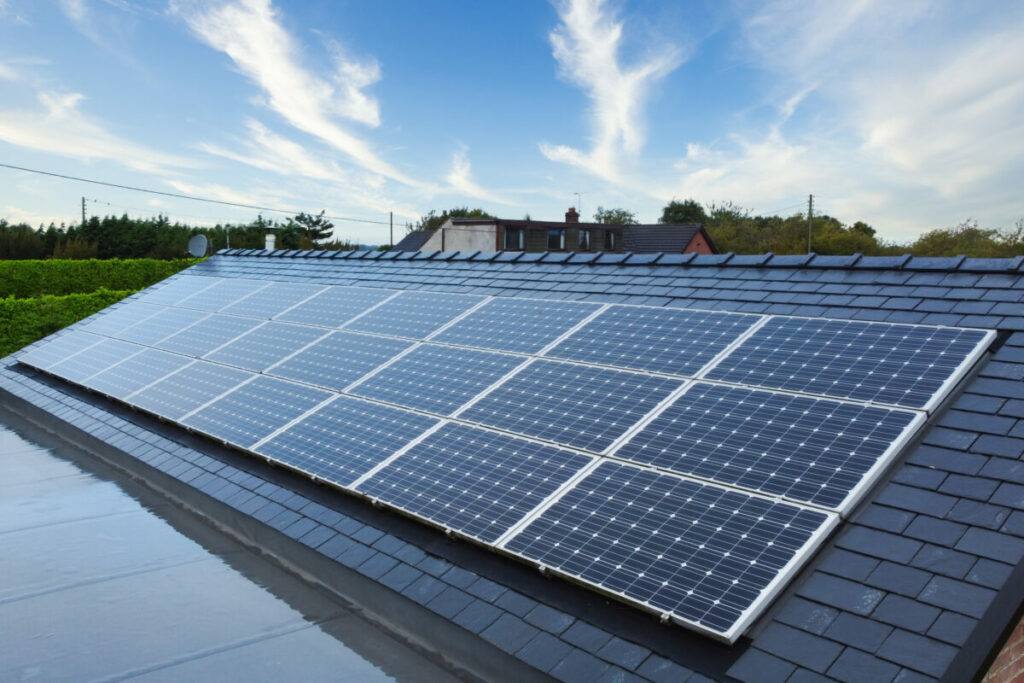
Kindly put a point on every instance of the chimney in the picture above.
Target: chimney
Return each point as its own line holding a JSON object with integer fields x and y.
{"x": 571, "y": 216}
{"x": 271, "y": 242}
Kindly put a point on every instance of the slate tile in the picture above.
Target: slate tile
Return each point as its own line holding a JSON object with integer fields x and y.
{"x": 509, "y": 633}
{"x": 477, "y": 616}
{"x": 516, "y": 603}
{"x": 436, "y": 566}
{"x": 917, "y": 652}
{"x": 756, "y": 666}
{"x": 579, "y": 667}
{"x": 885, "y": 518}
{"x": 424, "y": 589}
{"x": 400, "y": 576}
{"x": 840, "y": 593}
{"x": 1004, "y": 469}
{"x": 583, "y": 635}
{"x": 878, "y": 544}
{"x": 957, "y": 596}
{"x": 978, "y": 403}
{"x": 485, "y": 589}
{"x": 992, "y": 544}
{"x": 921, "y": 477}
{"x": 544, "y": 652}
{"x": 660, "y": 670}
{"x": 368, "y": 535}
{"x": 1014, "y": 524}
{"x": 979, "y": 514}
{"x": 898, "y": 578}
{"x": 355, "y": 555}
{"x": 906, "y": 613}
{"x": 1014, "y": 408}
{"x": 623, "y": 653}
{"x": 616, "y": 675}
{"x": 951, "y": 459}
{"x": 550, "y": 619}
{"x": 943, "y": 561}
{"x": 937, "y": 531}
{"x": 449, "y": 602}
{"x": 989, "y": 573}
{"x": 858, "y": 632}
{"x": 854, "y": 666}
{"x": 985, "y": 424}
{"x": 952, "y": 628}
{"x": 916, "y": 500}
{"x": 376, "y": 565}
{"x": 968, "y": 487}
{"x": 807, "y": 616}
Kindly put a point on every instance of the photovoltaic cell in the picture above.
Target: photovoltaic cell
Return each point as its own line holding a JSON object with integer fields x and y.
{"x": 262, "y": 347}
{"x": 339, "y": 359}
{"x": 903, "y": 365}
{"x": 477, "y": 482}
{"x": 116, "y": 318}
{"x": 345, "y": 439}
{"x": 222, "y": 294}
{"x": 273, "y": 299}
{"x": 59, "y": 348}
{"x": 575, "y": 405}
{"x": 96, "y": 358}
{"x": 335, "y": 306}
{"x": 805, "y": 449}
{"x": 136, "y": 372}
{"x": 184, "y": 391}
{"x": 160, "y": 326}
{"x": 699, "y": 552}
{"x": 174, "y": 289}
{"x": 669, "y": 340}
{"x": 414, "y": 315}
{"x": 206, "y": 335}
{"x": 255, "y": 410}
{"x": 522, "y": 325}
{"x": 437, "y": 379}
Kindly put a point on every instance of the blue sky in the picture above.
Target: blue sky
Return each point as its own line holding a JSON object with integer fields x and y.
{"x": 908, "y": 115}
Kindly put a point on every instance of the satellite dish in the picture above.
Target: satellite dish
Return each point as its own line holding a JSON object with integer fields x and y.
{"x": 197, "y": 246}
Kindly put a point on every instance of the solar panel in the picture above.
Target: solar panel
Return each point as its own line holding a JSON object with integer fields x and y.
{"x": 339, "y": 359}
{"x": 136, "y": 372}
{"x": 174, "y": 289}
{"x": 221, "y": 295}
{"x": 59, "y": 348}
{"x": 345, "y": 439}
{"x": 437, "y": 379}
{"x": 522, "y": 325}
{"x": 255, "y": 410}
{"x": 182, "y": 392}
{"x": 805, "y": 449}
{"x": 336, "y": 306}
{"x": 414, "y": 315}
{"x": 904, "y": 365}
{"x": 670, "y": 340}
{"x": 160, "y": 326}
{"x": 575, "y": 405}
{"x": 116, "y": 318}
{"x": 474, "y": 481}
{"x": 699, "y": 553}
{"x": 206, "y": 335}
{"x": 96, "y": 358}
{"x": 265, "y": 345}
{"x": 272, "y": 300}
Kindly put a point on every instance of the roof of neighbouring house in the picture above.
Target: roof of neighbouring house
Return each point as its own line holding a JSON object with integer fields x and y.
{"x": 638, "y": 238}
{"x": 921, "y": 582}
{"x": 414, "y": 241}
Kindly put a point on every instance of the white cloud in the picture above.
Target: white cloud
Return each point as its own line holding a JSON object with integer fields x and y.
{"x": 587, "y": 46}
{"x": 7, "y": 73}
{"x": 460, "y": 177}
{"x": 249, "y": 32}
{"x": 61, "y": 129}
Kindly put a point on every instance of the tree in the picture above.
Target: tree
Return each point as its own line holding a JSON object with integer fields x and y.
{"x": 689, "y": 211}
{"x": 615, "y": 216}
{"x": 434, "y": 220}
{"x": 314, "y": 228}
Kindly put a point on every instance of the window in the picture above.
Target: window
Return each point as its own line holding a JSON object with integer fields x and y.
{"x": 556, "y": 239}
{"x": 611, "y": 241}
{"x": 515, "y": 239}
{"x": 584, "y": 240}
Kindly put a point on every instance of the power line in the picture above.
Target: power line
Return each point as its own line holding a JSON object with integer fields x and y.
{"x": 183, "y": 196}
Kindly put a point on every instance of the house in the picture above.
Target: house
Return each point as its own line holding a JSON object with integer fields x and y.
{"x": 922, "y": 579}
{"x": 488, "y": 234}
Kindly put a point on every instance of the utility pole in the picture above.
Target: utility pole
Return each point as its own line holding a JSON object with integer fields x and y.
{"x": 810, "y": 217}
{"x": 83, "y": 210}
{"x": 391, "y": 222}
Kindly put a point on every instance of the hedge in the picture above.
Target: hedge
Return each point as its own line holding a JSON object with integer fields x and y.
{"x": 23, "y": 321}
{"x": 23, "y": 279}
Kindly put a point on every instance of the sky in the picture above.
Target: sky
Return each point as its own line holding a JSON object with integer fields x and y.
{"x": 907, "y": 115}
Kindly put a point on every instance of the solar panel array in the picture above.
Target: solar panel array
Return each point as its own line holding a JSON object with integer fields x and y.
{"x": 685, "y": 461}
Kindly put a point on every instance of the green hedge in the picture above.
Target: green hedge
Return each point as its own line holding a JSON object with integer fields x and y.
{"x": 23, "y": 321}
{"x": 23, "y": 279}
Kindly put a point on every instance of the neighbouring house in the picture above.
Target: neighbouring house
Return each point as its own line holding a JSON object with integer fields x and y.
{"x": 490, "y": 234}
{"x": 382, "y": 420}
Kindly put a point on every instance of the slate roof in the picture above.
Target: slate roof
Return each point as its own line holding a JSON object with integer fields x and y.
{"x": 667, "y": 238}
{"x": 413, "y": 241}
{"x": 922, "y": 583}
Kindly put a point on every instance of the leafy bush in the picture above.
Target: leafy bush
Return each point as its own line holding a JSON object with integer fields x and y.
{"x": 23, "y": 321}
{"x": 28, "y": 278}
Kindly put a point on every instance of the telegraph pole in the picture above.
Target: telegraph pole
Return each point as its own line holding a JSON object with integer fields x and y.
{"x": 810, "y": 217}
{"x": 83, "y": 210}
{"x": 391, "y": 222}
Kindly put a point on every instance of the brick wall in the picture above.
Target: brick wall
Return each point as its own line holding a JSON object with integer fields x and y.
{"x": 1009, "y": 665}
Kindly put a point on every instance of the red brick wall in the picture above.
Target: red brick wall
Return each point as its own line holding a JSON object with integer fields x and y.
{"x": 698, "y": 244}
{"x": 1009, "y": 665}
